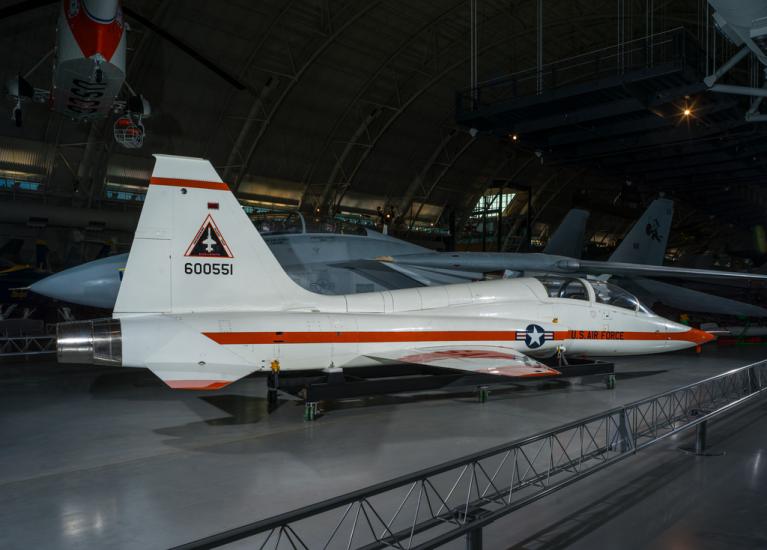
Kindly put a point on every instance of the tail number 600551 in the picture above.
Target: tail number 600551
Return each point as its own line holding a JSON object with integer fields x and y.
{"x": 199, "y": 268}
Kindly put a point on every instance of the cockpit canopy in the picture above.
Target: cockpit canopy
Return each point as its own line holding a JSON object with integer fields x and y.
{"x": 280, "y": 222}
{"x": 602, "y": 292}
{"x": 614, "y": 295}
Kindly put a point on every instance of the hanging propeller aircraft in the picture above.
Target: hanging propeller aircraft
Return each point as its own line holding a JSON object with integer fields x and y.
{"x": 89, "y": 67}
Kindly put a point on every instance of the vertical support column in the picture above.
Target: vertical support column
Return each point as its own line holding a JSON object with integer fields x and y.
{"x": 529, "y": 236}
{"x": 499, "y": 226}
{"x": 539, "y": 46}
{"x": 474, "y": 539}
{"x": 700, "y": 439}
{"x": 699, "y": 449}
{"x": 473, "y": 54}
{"x": 624, "y": 430}
{"x": 452, "y": 228}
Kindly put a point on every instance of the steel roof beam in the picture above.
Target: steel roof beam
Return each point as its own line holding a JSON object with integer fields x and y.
{"x": 316, "y": 53}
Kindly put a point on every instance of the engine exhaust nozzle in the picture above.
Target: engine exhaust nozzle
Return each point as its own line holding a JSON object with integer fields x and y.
{"x": 98, "y": 342}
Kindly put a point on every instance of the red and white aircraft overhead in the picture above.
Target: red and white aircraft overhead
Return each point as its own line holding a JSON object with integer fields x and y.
{"x": 204, "y": 303}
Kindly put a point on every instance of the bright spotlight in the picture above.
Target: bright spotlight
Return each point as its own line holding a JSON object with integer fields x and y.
{"x": 687, "y": 111}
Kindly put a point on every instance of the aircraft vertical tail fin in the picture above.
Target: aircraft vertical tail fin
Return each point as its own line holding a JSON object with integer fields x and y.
{"x": 567, "y": 240}
{"x": 646, "y": 242}
{"x": 195, "y": 249}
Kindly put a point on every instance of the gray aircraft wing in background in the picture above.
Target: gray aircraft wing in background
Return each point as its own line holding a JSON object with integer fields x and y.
{"x": 546, "y": 263}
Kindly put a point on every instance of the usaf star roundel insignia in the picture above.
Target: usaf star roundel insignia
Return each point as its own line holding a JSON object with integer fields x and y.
{"x": 534, "y": 336}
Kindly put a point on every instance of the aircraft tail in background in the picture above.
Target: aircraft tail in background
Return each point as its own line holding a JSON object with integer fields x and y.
{"x": 646, "y": 242}
{"x": 567, "y": 240}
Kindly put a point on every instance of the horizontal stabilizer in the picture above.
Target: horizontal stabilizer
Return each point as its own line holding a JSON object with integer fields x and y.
{"x": 176, "y": 359}
{"x": 498, "y": 360}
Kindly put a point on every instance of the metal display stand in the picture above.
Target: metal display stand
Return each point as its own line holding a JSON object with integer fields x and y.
{"x": 457, "y": 499}
{"x": 313, "y": 387}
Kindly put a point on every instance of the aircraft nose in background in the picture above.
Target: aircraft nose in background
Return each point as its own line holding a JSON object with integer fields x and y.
{"x": 54, "y": 286}
{"x": 95, "y": 284}
{"x": 698, "y": 337}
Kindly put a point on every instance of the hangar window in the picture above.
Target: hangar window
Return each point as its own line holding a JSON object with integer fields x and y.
{"x": 275, "y": 222}
{"x": 492, "y": 202}
{"x": 14, "y": 184}
{"x": 124, "y": 192}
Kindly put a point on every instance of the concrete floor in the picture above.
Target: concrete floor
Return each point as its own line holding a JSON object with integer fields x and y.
{"x": 95, "y": 458}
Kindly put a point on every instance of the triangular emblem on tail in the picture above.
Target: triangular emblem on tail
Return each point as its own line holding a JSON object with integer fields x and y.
{"x": 209, "y": 243}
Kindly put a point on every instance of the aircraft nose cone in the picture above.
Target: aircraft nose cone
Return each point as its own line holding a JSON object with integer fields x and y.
{"x": 698, "y": 337}
{"x": 51, "y": 286}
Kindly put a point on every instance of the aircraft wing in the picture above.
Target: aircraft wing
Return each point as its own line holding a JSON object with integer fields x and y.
{"x": 485, "y": 262}
{"x": 498, "y": 360}
{"x": 643, "y": 270}
{"x": 430, "y": 276}
{"x": 687, "y": 299}
{"x": 393, "y": 276}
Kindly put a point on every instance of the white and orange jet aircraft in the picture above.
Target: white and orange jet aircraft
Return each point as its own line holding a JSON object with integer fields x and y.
{"x": 204, "y": 303}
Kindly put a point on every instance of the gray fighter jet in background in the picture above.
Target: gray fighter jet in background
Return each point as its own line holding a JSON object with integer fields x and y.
{"x": 639, "y": 256}
{"x": 331, "y": 263}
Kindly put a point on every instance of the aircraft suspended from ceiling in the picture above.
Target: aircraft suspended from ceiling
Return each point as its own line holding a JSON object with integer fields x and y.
{"x": 89, "y": 67}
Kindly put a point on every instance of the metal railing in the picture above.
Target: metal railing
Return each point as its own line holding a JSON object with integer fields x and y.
{"x": 676, "y": 47}
{"x": 16, "y": 346}
{"x": 432, "y": 507}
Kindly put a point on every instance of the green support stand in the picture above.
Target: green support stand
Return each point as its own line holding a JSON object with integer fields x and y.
{"x": 310, "y": 411}
{"x": 483, "y": 393}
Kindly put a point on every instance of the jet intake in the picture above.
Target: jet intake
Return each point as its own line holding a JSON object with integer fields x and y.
{"x": 98, "y": 342}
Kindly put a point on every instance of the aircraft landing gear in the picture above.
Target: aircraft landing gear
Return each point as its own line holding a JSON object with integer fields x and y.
{"x": 273, "y": 385}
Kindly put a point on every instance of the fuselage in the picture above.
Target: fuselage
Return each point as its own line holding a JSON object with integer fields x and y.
{"x": 342, "y": 330}
{"x": 202, "y": 316}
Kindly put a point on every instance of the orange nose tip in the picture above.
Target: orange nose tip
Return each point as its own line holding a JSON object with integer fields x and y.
{"x": 698, "y": 336}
